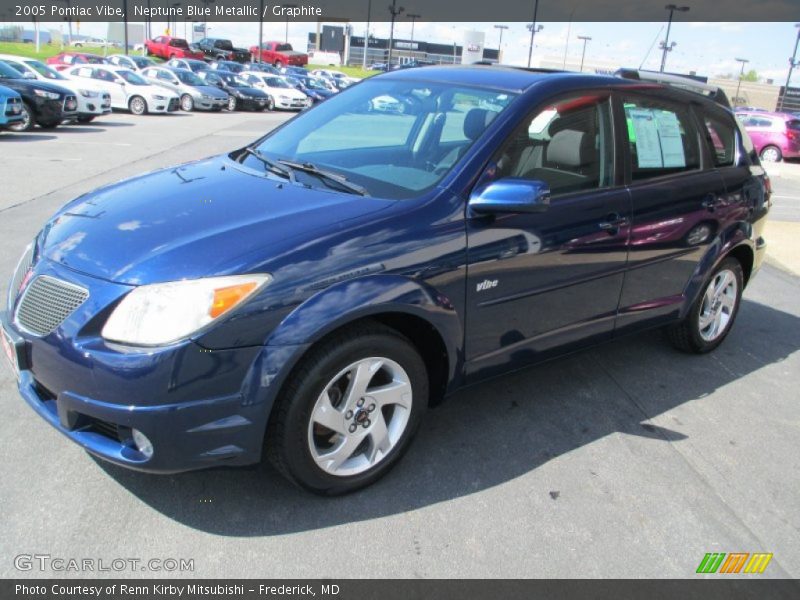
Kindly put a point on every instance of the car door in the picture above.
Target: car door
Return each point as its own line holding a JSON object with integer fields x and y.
{"x": 113, "y": 85}
{"x": 539, "y": 283}
{"x": 676, "y": 193}
{"x": 167, "y": 80}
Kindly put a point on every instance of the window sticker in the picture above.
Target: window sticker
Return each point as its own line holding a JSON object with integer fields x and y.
{"x": 657, "y": 135}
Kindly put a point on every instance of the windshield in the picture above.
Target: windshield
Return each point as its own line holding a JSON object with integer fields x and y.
{"x": 91, "y": 59}
{"x": 142, "y": 61}
{"x": 283, "y": 48}
{"x": 395, "y": 139}
{"x": 277, "y": 83}
{"x": 131, "y": 77}
{"x": 44, "y": 70}
{"x": 189, "y": 78}
{"x": 7, "y": 72}
{"x": 224, "y": 44}
{"x": 178, "y": 43}
{"x": 233, "y": 80}
{"x": 315, "y": 85}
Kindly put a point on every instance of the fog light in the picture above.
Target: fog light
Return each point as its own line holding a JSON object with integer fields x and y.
{"x": 141, "y": 442}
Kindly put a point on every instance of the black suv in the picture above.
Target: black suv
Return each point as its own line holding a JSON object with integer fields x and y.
{"x": 220, "y": 49}
{"x": 44, "y": 104}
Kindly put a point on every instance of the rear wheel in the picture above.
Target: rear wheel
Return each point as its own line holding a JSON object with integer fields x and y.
{"x": 137, "y": 105}
{"x": 349, "y": 410}
{"x": 187, "y": 103}
{"x": 771, "y": 154}
{"x": 28, "y": 119}
{"x": 711, "y": 317}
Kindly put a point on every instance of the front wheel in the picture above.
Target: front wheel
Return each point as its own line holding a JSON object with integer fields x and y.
{"x": 771, "y": 154}
{"x": 28, "y": 120}
{"x": 278, "y": 64}
{"x": 231, "y": 103}
{"x": 187, "y": 103}
{"x": 711, "y": 317}
{"x": 270, "y": 105}
{"x": 137, "y": 105}
{"x": 349, "y": 410}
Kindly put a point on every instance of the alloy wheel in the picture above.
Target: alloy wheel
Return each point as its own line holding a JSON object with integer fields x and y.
{"x": 771, "y": 154}
{"x": 231, "y": 103}
{"x": 138, "y": 106}
{"x": 719, "y": 305}
{"x": 25, "y": 124}
{"x": 360, "y": 416}
{"x": 187, "y": 104}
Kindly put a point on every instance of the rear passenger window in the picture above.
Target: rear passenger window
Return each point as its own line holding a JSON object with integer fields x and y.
{"x": 661, "y": 137}
{"x": 568, "y": 145}
{"x": 721, "y": 140}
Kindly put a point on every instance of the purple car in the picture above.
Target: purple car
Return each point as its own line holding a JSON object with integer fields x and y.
{"x": 775, "y": 135}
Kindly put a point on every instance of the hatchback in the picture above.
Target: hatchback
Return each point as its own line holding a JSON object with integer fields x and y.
{"x": 309, "y": 295}
{"x": 775, "y": 135}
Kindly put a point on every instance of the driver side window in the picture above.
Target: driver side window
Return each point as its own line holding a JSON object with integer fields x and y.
{"x": 567, "y": 144}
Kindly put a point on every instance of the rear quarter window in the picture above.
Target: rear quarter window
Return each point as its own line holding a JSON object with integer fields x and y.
{"x": 721, "y": 138}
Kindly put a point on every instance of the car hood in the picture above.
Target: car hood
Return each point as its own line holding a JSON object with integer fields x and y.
{"x": 206, "y": 218}
{"x": 251, "y": 92}
{"x": 211, "y": 90}
{"x": 28, "y": 85}
{"x": 291, "y": 92}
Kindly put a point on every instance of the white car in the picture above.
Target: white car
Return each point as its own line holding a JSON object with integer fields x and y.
{"x": 280, "y": 91}
{"x": 338, "y": 75}
{"x": 132, "y": 62}
{"x": 93, "y": 101}
{"x": 91, "y": 42}
{"x": 128, "y": 90}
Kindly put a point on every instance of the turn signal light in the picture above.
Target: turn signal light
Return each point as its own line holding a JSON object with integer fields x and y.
{"x": 227, "y": 297}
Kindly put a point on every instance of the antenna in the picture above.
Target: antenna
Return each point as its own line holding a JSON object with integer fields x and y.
{"x": 650, "y": 49}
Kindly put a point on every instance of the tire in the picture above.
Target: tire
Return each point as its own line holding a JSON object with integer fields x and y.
{"x": 187, "y": 103}
{"x": 28, "y": 119}
{"x": 278, "y": 64}
{"x": 701, "y": 331}
{"x": 270, "y": 105}
{"x": 771, "y": 154}
{"x": 137, "y": 105}
{"x": 371, "y": 431}
{"x": 86, "y": 119}
{"x": 231, "y": 103}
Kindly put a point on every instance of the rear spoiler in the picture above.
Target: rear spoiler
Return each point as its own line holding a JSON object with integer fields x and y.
{"x": 685, "y": 83}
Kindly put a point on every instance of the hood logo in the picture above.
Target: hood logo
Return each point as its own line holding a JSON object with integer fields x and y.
{"x": 487, "y": 284}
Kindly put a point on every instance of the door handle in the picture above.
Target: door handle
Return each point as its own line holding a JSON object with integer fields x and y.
{"x": 612, "y": 223}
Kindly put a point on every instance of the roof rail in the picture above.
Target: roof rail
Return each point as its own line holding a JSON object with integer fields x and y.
{"x": 686, "y": 83}
{"x": 489, "y": 63}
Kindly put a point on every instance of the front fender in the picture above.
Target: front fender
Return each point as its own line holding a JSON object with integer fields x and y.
{"x": 349, "y": 301}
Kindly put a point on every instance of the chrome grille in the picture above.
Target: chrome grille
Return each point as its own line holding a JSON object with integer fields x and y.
{"x": 46, "y": 302}
{"x": 25, "y": 262}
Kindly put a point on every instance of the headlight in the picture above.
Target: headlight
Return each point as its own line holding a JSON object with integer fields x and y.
{"x": 157, "y": 97}
{"x": 46, "y": 94}
{"x": 162, "y": 313}
{"x": 206, "y": 97}
{"x": 89, "y": 93}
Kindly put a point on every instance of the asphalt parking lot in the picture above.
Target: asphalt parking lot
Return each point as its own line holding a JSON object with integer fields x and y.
{"x": 629, "y": 460}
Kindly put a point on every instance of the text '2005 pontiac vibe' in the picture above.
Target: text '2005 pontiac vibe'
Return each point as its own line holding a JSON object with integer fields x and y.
{"x": 307, "y": 297}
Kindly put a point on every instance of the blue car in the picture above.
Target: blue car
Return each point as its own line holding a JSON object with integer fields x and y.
{"x": 308, "y": 296}
{"x": 10, "y": 107}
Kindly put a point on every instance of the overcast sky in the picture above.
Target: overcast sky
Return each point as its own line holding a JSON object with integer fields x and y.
{"x": 708, "y": 48}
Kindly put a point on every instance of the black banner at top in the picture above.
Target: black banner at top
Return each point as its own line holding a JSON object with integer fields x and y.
{"x": 379, "y": 10}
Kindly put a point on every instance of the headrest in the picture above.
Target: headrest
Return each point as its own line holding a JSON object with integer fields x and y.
{"x": 476, "y": 122}
{"x": 570, "y": 148}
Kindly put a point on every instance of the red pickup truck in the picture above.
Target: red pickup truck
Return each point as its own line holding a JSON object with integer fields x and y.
{"x": 168, "y": 47}
{"x": 279, "y": 54}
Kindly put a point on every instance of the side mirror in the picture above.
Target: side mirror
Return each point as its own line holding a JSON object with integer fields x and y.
{"x": 511, "y": 195}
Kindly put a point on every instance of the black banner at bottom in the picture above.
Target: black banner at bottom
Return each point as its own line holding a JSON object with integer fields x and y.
{"x": 399, "y": 589}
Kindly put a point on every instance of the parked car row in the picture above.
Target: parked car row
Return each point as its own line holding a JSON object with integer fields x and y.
{"x": 79, "y": 86}
{"x": 277, "y": 54}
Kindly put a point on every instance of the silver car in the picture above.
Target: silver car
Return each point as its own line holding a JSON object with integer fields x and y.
{"x": 194, "y": 93}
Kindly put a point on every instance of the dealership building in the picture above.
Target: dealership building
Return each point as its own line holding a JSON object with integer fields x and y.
{"x": 351, "y": 48}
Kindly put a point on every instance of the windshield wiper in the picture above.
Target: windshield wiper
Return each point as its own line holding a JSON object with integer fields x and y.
{"x": 312, "y": 169}
{"x": 271, "y": 165}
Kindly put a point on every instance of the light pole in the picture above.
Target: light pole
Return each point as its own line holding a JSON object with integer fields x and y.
{"x": 413, "y": 18}
{"x": 585, "y": 39}
{"x": 744, "y": 61}
{"x": 532, "y": 28}
{"x": 395, "y": 11}
{"x": 665, "y": 44}
{"x": 502, "y": 28}
{"x": 792, "y": 64}
{"x": 257, "y": 57}
{"x": 366, "y": 36}
{"x": 286, "y": 37}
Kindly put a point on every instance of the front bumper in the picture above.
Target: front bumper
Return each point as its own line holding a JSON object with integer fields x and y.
{"x": 198, "y": 407}
{"x": 292, "y": 104}
{"x": 212, "y": 104}
{"x": 10, "y": 111}
{"x": 93, "y": 107}
{"x": 163, "y": 106}
{"x": 251, "y": 103}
